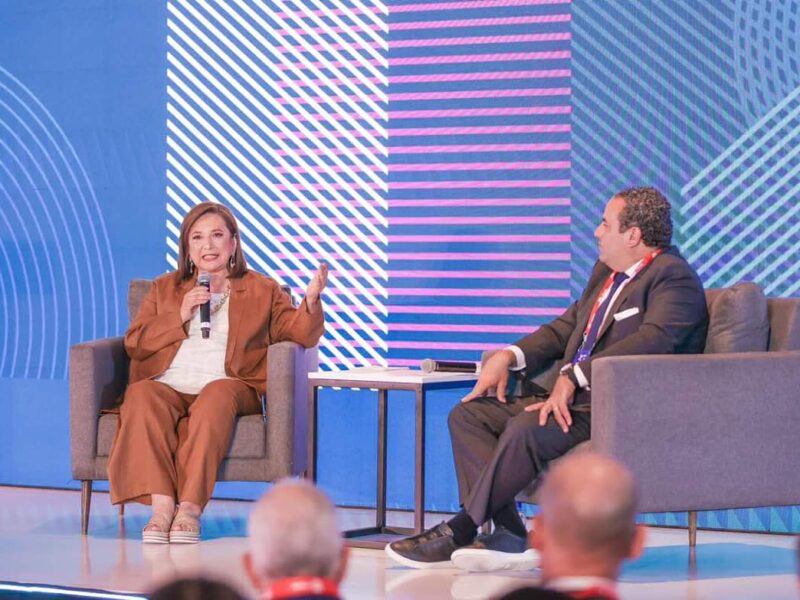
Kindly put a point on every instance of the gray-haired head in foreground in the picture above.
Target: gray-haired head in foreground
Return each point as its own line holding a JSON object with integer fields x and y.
{"x": 647, "y": 209}
{"x": 293, "y": 531}
{"x": 589, "y": 503}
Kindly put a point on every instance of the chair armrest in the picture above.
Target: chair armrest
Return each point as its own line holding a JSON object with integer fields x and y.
{"x": 702, "y": 431}
{"x": 98, "y": 373}
{"x": 288, "y": 365}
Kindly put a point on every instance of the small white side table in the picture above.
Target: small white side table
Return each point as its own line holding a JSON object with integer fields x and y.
{"x": 384, "y": 379}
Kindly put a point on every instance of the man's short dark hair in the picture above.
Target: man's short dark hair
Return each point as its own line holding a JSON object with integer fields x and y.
{"x": 647, "y": 209}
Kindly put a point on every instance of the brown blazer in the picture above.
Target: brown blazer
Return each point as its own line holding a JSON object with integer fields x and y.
{"x": 260, "y": 314}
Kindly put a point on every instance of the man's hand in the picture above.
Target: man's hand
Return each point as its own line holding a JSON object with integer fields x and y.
{"x": 557, "y": 404}
{"x": 494, "y": 374}
{"x": 316, "y": 285}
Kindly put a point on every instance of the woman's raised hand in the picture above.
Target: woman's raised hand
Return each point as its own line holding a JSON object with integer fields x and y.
{"x": 316, "y": 285}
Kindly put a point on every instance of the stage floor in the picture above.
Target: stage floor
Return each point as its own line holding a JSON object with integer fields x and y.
{"x": 40, "y": 543}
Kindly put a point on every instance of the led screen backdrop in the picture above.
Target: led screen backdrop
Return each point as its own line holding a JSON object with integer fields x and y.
{"x": 448, "y": 159}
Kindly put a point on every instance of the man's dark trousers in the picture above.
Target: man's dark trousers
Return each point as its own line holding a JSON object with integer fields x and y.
{"x": 499, "y": 449}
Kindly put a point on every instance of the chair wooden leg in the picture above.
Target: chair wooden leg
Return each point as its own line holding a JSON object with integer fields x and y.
{"x": 692, "y": 528}
{"x": 86, "y": 504}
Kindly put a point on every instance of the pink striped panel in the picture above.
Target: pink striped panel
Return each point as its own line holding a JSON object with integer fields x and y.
{"x": 480, "y": 166}
{"x": 476, "y": 239}
{"x": 478, "y": 292}
{"x": 481, "y": 274}
{"x": 454, "y": 166}
{"x": 476, "y": 310}
{"x": 434, "y": 274}
{"x": 483, "y": 39}
{"x": 417, "y": 25}
{"x": 472, "y": 94}
{"x": 480, "y": 220}
{"x": 483, "y": 76}
{"x": 482, "y": 202}
{"x": 489, "y": 129}
{"x": 480, "y": 112}
{"x": 538, "y": 76}
{"x": 480, "y": 347}
{"x": 453, "y": 184}
{"x": 472, "y": 4}
{"x": 464, "y": 256}
{"x": 478, "y": 148}
{"x": 475, "y": 58}
{"x": 453, "y": 327}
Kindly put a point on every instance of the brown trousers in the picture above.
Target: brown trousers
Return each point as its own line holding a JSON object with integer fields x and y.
{"x": 172, "y": 443}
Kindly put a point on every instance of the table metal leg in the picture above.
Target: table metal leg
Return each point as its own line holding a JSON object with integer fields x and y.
{"x": 313, "y": 396}
{"x": 380, "y": 507}
{"x": 419, "y": 469}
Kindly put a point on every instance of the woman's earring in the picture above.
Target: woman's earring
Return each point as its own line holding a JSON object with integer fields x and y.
{"x": 232, "y": 261}
{"x": 191, "y": 266}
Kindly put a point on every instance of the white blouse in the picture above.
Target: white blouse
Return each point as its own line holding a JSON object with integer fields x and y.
{"x": 200, "y": 361}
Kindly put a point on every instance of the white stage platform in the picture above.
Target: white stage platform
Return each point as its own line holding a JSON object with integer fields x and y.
{"x": 40, "y": 543}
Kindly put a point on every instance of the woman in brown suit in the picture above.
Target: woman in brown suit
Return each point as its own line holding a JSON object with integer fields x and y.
{"x": 185, "y": 390}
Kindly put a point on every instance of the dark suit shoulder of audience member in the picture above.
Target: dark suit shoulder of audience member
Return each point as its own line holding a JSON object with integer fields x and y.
{"x": 195, "y": 588}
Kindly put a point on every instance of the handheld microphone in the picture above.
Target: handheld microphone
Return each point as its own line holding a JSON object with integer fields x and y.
{"x": 449, "y": 366}
{"x": 204, "y": 279}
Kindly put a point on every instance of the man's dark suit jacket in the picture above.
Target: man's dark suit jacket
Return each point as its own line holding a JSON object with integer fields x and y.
{"x": 672, "y": 318}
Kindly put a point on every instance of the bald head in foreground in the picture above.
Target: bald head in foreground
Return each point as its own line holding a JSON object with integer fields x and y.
{"x": 586, "y": 526}
{"x": 295, "y": 546}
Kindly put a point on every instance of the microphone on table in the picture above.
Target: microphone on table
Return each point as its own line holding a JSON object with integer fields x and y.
{"x": 204, "y": 279}
{"x": 448, "y": 366}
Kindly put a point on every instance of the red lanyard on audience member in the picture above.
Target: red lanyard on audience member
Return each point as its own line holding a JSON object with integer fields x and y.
{"x": 609, "y": 282}
{"x": 594, "y": 593}
{"x": 293, "y": 587}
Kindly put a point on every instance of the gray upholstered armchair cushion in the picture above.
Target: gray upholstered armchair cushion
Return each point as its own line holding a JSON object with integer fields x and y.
{"x": 702, "y": 432}
{"x": 738, "y": 319}
{"x": 98, "y": 374}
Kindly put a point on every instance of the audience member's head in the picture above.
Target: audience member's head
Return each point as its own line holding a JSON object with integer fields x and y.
{"x": 195, "y": 589}
{"x": 586, "y": 526}
{"x": 293, "y": 533}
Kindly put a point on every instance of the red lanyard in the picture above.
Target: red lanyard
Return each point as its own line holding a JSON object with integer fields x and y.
{"x": 293, "y": 587}
{"x": 609, "y": 282}
{"x": 594, "y": 592}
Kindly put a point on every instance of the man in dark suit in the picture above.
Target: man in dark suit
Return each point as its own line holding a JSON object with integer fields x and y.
{"x": 642, "y": 298}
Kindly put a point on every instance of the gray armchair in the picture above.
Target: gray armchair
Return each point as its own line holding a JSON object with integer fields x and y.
{"x": 710, "y": 431}
{"x": 261, "y": 449}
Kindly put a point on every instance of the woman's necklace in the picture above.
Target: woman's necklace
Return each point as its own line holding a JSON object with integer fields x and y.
{"x": 215, "y": 308}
